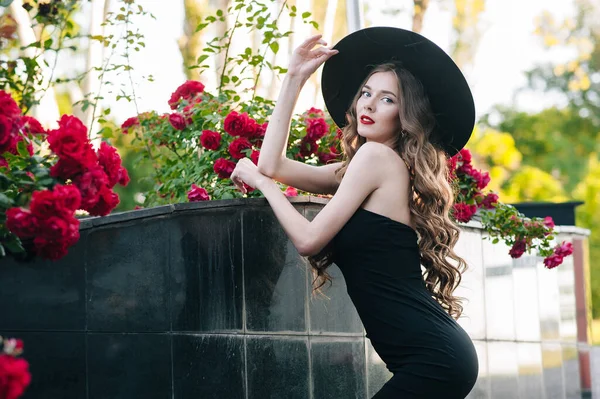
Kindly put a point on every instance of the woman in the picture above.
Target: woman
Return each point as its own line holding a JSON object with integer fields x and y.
{"x": 404, "y": 107}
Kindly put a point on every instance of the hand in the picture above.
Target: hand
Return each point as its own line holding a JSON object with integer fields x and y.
{"x": 305, "y": 60}
{"x": 246, "y": 172}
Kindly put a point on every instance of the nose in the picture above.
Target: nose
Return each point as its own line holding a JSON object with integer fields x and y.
{"x": 368, "y": 104}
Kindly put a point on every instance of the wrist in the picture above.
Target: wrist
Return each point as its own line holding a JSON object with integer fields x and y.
{"x": 296, "y": 79}
{"x": 263, "y": 183}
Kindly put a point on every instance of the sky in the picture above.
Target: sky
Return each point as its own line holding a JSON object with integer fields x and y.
{"x": 508, "y": 47}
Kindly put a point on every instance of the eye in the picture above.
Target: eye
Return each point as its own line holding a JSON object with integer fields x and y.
{"x": 388, "y": 100}
{"x": 365, "y": 93}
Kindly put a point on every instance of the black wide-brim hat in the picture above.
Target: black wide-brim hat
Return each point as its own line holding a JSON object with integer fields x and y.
{"x": 448, "y": 91}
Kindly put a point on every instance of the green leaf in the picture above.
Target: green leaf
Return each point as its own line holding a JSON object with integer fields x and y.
{"x": 305, "y": 15}
{"x": 274, "y": 47}
{"x": 5, "y": 202}
{"x": 22, "y": 149}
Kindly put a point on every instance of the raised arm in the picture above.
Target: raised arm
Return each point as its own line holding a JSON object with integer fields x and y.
{"x": 273, "y": 161}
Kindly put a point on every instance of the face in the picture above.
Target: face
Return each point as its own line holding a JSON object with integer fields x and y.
{"x": 377, "y": 108}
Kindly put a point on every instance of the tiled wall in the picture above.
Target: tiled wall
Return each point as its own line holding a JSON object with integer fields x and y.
{"x": 198, "y": 301}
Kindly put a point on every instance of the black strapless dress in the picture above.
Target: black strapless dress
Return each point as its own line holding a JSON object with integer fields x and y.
{"x": 428, "y": 352}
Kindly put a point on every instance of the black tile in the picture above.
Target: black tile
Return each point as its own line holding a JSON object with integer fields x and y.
{"x": 208, "y": 366}
{"x": 275, "y": 275}
{"x": 206, "y": 264}
{"x": 56, "y": 363}
{"x": 378, "y": 372}
{"x": 338, "y": 368}
{"x": 333, "y": 312}
{"x": 127, "y": 281}
{"x": 44, "y": 294}
{"x": 277, "y": 367}
{"x": 124, "y": 366}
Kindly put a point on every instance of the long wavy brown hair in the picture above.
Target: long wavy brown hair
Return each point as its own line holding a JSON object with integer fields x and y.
{"x": 433, "y": 194}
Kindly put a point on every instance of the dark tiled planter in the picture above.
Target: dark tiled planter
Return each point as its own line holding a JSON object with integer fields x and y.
{"x": 211, "y": 300}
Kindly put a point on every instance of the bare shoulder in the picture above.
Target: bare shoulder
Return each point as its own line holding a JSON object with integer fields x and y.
{"x": 378, "y": 155}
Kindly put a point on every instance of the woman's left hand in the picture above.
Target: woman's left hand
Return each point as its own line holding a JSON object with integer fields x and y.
{"x": 246, "y": 172}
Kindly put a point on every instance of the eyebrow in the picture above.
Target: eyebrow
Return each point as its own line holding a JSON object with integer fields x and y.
{"x": 383, "y": 91}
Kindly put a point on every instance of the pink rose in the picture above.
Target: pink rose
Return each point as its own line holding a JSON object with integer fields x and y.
{"x": 290, "y": 192}
{"x": 553, "y": 260}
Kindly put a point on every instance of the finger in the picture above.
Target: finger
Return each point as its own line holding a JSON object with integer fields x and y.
{"x": 311, "y": 41}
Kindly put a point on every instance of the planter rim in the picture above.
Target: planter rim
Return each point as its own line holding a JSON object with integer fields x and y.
{"x": 126, "y": 216}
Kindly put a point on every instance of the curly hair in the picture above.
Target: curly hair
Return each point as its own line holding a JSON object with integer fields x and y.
{"x": 433, "y": 194}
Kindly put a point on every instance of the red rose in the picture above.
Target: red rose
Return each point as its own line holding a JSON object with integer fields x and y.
{"x": 44, "y": 205}
{"x": 3, "y": 163}
{"x": 129, "y": 122}
{"x": 490, "y": 201}
{"x": 67, "y": 197}
{"x": 237, "y": 146}
{"x": 21, "y": 222}
{"x": 14, "y": 376}
{"x": 316, "y": 128}
{"x": 70, "y": 139}
{"x": 339, "y": 133}
{"x": 314, "y": 113}
{"x": 177, "y": 121}
{"x": 464, "y": 156}
{"x": 72, "y": 232}
{"x": 110, "y": 161}
{"x": 68, "y": 168}
{"x": 7, "y": 136}
{"x": 307, "y": 147}
{"x": 518, "y": 249}
{"x": 466, "y": 169}
{"x": 452, "y": 165}
{"x": 482, "y": 179}
{"x": 325, "y": 157}
{"x": 553, "y": 260}
{"x": 50, "y": 249}
{"x": 254, "y": 157}
{"x": 549, "y": 222}
{"x": 107, "y": 201}
{"x": 464, "y": 212}
{"x": 197, "y": 194}
{"x": 260, "y": 131}
{"x": 8, "y": 106}
{"x": 224, "y": 168}
{"x": 236, "y": 124}
{"x": 90, "y": 184}
{"x": 190, "y": 90}
{"x": 290, "y": 192}
{"x": 210, "y": 140}
{"x": 53, "y": 228}
{"x": 123, "y": 177}
{"x": 32, "y": 125}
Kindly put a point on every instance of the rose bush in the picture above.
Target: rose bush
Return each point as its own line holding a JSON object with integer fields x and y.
{"x": 502, "y": 221}
{"x": 40, "y": 193}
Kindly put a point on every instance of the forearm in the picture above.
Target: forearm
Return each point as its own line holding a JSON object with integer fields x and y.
{"x": 295, "y": 225}
{"x": 276, "y": 137}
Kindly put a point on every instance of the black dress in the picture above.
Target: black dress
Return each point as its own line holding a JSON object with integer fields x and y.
{"x": 427, "y": 351}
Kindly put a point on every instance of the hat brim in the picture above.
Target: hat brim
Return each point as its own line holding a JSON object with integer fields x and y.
{"x": 448, "y": 91}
